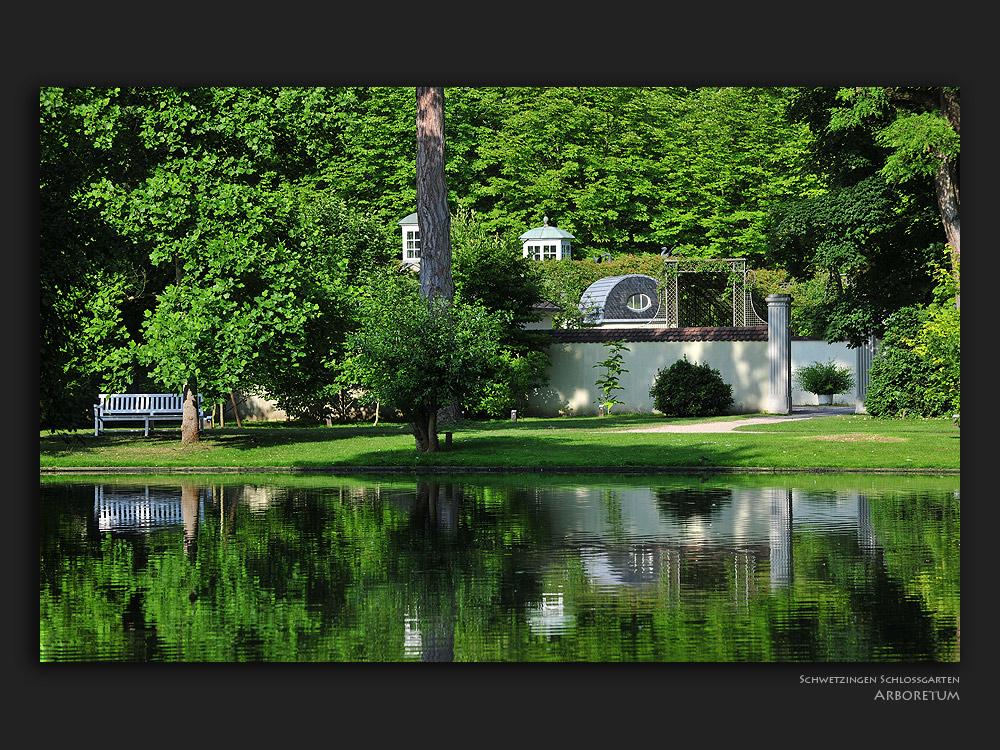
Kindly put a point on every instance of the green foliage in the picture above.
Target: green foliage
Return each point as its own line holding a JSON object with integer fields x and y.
{"x": 872, "y": 244}
{"x": 492, "y": 271}
{"x": 93, "y": 283}
{"x": 628, "y": 168}
{"x": 690, "y": 390}
{"x": 340, "y": 252}
{"x": 610, "y": 379}
{"x": 729, "y": 155}
{"x": 807, "y": 295}
{"x": 221, "y": 252}
{"x": 267, "y": 310}
{"x": 518, "y": 374}
{"x": 824, "y": 378}
{"x": 909, "y": 123}
{"x": 917, "y": 371}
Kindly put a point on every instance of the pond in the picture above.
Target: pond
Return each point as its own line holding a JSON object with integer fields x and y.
{"x": 487, "y": 568}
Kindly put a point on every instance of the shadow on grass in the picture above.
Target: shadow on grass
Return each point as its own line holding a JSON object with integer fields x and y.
{"x": 533, "y": 451}
{"x": 253, "y": 438}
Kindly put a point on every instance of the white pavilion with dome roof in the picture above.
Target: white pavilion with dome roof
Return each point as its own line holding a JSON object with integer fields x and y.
{"x": 547, "y": 242}
{"x": 411, "y": 239}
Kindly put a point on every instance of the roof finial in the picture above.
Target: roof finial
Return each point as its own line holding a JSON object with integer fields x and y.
{"x": 545, "y": 220}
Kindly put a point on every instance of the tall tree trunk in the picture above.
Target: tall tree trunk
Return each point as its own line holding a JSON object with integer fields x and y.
{"x": 432, "y": 196}
{"x": 947, "y": 101}
{"x": 432, "y": 433}
{"x": 435, "y": 226}
{"x": 189, "y": 516}
{"x": 190, "y": 428}
{"x": 946, "y": 189}
{"x": 425, "y": 429}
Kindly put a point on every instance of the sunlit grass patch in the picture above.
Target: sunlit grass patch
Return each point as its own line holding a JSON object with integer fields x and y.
{"x": 854, "y": 437}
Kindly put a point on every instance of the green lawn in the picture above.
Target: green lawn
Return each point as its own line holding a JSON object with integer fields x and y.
{"x": 854, "y": 442}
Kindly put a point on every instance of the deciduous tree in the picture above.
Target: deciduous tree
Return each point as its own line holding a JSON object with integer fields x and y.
{"x": 211, "y": 207}
{"x": 416, "y": 353}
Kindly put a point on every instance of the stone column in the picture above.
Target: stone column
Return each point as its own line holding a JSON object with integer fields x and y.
{"x": 866, "y": 354}
{"x": 779, "y": 354}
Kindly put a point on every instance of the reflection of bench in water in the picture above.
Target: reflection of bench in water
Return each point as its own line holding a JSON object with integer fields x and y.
{"x": 140, "y": 509}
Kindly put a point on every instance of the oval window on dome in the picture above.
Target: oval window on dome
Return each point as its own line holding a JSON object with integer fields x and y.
{"x": 639, "y": 302}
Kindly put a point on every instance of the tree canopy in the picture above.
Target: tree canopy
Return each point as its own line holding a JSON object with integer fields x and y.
{"x": 222, "y": 236}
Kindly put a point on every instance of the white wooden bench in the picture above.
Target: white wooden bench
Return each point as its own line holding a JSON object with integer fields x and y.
{"x": 148, "y": 408}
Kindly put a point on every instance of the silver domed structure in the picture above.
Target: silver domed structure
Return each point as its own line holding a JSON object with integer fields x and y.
{"x": 631, "y": 300}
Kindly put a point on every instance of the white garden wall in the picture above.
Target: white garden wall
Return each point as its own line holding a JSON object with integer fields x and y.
{"x": 742, "y": 364}
{"x": 807, "y": 351}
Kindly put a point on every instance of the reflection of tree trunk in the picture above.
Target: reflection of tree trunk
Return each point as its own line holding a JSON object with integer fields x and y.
{"x": 437, "y": 629}
{"x": 189, "y": 511}
{"x": 436, "y": 511}
{"x": 958, "y": 637}
{"x": 227, "y": 529}
{"x": 426, "y": 505}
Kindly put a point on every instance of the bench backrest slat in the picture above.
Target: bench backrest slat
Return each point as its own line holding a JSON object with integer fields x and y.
{"x": 165, "y": 402}
{"x": 142, "y": 403}
{"x": 125, "y": 402}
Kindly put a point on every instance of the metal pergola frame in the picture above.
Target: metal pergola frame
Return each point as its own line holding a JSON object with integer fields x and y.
{"x": 744, "y": 314}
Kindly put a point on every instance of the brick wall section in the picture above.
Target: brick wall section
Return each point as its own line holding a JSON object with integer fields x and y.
{"x": 690, "y": 333}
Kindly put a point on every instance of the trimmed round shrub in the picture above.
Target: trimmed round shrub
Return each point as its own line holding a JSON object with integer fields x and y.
{"x": 686, "y": 389}
{"x": 824, "y": 378}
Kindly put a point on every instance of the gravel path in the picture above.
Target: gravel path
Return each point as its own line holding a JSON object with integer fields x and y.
{"x": 798, "y": 413}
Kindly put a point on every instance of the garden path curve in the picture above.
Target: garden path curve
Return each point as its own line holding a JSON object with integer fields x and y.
{"x": 798, "y": 413}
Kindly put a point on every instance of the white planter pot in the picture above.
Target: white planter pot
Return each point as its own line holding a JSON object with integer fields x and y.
{"x": 825, "y": 399}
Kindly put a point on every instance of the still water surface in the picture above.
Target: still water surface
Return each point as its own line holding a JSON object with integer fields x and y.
{"x": 518, "y": 568}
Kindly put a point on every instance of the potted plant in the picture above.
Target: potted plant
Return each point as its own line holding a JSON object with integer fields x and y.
{"x": 824, "y": 379}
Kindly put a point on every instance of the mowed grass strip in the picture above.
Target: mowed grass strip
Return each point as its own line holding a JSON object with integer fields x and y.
{"x": 836, "y": 442}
